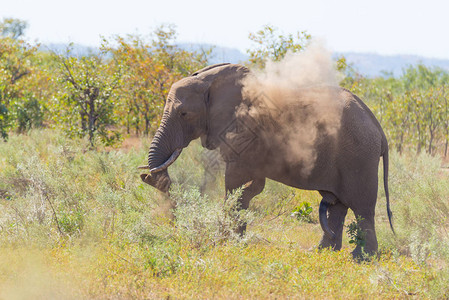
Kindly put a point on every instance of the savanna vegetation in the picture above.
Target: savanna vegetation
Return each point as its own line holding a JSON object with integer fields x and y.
{"x": 77, "y": 222}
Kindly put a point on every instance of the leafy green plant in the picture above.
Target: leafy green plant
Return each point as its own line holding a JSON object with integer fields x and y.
{"x": 206, "y": 221}
{"x": 303, "y": 212}
{"x": 71, "y": 222}
{"x": 356, "y": 235}
{"x": 270, "y": 44}
{"x": 29, "y": 114}
{"x": 4, "y": 124}
{"x": 86, "y": 101}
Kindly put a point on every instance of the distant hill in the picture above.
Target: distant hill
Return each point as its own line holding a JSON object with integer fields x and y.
{"x": 219, "y": 54}
{"x": 76, "y": 49}
{"x": 372, "y": 65}
{"x": 367, "y": 64}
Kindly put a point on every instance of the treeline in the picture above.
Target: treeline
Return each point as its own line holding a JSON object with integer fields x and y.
{"x": 413, "y": 109}
{"x": 121, "y": 88}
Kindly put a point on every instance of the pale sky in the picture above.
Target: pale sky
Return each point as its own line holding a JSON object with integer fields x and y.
{"x": 380, "y": 26}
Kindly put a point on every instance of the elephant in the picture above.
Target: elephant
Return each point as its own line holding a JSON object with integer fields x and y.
{"x": 341, "y": 162}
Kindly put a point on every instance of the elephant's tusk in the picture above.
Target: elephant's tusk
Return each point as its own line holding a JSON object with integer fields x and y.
{"x": 143, "y": 167}
{"x": 169, "y": 161}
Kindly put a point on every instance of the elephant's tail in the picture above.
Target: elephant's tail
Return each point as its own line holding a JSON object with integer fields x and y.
{"x": 387, "y": 195}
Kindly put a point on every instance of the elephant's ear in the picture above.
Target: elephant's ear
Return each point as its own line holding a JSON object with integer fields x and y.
{"x": 206, "y": 140}
{"x": 222, "y": 96}
{"x": 209, "y": 68}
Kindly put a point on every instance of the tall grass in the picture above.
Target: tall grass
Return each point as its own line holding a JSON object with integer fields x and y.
{"x": 85, "y": 226}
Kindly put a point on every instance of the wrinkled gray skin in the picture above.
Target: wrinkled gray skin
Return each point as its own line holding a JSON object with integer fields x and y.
{"x": 204, "y": 106}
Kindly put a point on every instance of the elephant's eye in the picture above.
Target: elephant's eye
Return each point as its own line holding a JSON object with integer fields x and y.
{"x": 187, "y": 115}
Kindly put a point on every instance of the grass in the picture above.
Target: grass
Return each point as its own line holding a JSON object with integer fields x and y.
{"x": 79, "y": 224}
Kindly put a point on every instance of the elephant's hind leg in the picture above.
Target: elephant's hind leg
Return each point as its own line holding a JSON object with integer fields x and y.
{"x": 366, "y": 223}
{"x": 336, "y": 218}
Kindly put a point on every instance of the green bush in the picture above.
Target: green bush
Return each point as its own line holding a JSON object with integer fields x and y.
{"x": 303, "y": 212}
{"x": 356, "y": 235}
{"x": 204, "y": 221}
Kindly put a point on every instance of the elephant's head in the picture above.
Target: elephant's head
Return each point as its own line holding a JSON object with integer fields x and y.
{"x": 200, "y": 105}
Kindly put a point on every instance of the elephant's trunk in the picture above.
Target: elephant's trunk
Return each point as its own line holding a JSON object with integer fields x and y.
{"x": 166, "y": 141}
{"x": 164, "y": 150}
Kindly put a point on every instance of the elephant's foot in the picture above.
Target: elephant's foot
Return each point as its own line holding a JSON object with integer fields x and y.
{"x": 326, "y": 242}
{"x": 367, "y": 249}
{"x": 361, "y": 254}
{"x": 336, "y": 218}
{"x": 324, "y": 246}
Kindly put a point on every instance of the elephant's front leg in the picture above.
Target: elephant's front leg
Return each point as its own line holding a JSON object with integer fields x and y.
{"x": 237, "y": 177}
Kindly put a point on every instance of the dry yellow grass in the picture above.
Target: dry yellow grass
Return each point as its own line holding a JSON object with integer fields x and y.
{"x": 80, "y": 225}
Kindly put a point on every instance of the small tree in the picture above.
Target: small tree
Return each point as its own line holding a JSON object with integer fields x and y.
{"x": 85, "y": 105}
{"x": 428, "y": 101}
{"x": 4, "y": 118}
{"x": 151, "y": 68}
{"x": 445, "y": 110}
{"x": 15, "y": 69}
{"x": 272, "y": 45}
{"x": 13, "y": 28}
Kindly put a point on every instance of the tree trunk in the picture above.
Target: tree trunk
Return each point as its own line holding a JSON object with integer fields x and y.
{"x": 430, "y": 143}
{"x": 147, "y": 125}
{"x": 91, "y": 118}
{"x": 83, "y": 122}
{"x": 445, "y": 147}
{"x": 401, "y": 139}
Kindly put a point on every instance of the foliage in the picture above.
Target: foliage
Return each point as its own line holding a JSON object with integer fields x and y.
{"x": 122, "y": 87}
{"x": 204, "y": 222}
{"x": 412, "y": 109}
{"x": 29, "y": 113}
{"x": 85, "y": 104}
{"x": 4, "y": 118}
{"x": 422, "y": 224}
{"x": 274, "y": 46}
{"x": 356, "y": 235}
{"x": 125, "y": 83}
{"x": 16, "y": 86}
{"x": 303, "y": 212}
{"x": 12, "y": 28}
{"x": 151, "y": 68}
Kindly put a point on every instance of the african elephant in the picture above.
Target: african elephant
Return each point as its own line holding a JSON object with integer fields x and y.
{"x": 341, "y": 162}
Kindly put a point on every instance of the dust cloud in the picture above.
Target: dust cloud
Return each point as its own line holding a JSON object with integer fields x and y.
{"x": 28, "y": 274}
{"x": 295, "y": 101}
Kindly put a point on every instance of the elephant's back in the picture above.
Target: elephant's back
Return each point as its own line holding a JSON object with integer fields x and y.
{"x": 360, "y": 132}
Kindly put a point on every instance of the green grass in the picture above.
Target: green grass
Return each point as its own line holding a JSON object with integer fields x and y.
{"x": 76, "y": 224}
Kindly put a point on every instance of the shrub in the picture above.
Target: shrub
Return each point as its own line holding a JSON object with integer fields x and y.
{"x": 303, "y": 212}
{"x": 204, "y": 221}
{"x": 419, "y": 192}
{"x": 356, "y": 235}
